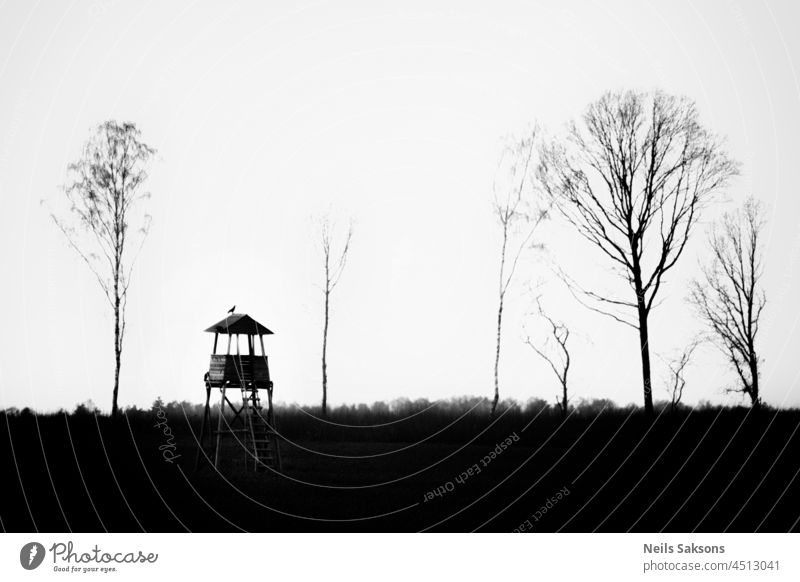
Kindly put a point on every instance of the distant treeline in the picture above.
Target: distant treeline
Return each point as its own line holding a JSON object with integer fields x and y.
{"x": 454, "y": 420}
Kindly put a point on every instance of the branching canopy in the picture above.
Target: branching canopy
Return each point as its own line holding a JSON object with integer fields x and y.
{"x": 104, "y": 188}
{"x": 334, "y": 261}
{"x": 632, "y": 178}
{"x": 517, "y": 209}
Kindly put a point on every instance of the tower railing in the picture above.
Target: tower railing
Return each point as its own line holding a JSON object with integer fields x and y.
{"x": 238, "y": 371}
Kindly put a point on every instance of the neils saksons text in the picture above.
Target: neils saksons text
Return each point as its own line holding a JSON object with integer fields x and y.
{"x": 665, "y": 548}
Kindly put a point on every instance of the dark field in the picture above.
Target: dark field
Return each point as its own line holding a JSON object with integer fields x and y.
{"x": 604, "y": 469}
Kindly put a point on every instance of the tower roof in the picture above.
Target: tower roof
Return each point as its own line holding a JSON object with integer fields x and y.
{"x": 239, "y": 323}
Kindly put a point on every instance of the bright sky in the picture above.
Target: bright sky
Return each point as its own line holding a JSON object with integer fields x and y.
{"x": 267, "y": 114}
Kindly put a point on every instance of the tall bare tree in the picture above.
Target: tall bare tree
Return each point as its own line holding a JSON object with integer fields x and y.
{"x": 334, "y": 262}
{"x": 104, "y": 189}
{"x": 558, "y": 358}
{"x": 729, "y": 297}
{"x": 632, "y": 177}
{"x": 518, "y": 216}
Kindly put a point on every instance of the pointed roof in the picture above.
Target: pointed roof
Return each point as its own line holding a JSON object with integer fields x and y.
{"x": 239, "y": 323}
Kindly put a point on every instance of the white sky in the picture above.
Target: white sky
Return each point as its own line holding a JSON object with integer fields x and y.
{"x": 266, "y": 114}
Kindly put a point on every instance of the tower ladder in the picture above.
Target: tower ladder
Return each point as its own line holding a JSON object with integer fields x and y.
{"x": 261, "y": 440}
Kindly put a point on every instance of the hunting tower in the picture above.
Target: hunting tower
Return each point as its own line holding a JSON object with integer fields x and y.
{"x": 251, "y": 425}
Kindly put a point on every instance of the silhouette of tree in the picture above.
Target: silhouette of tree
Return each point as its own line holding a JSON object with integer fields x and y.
{"x": 559, "y": 361}
{"x": 632, "y": 178}
{"x": 104, "y": 190}
{"x": 729, "y": 297}
{"x": 518, "y": 217}
{"x": 334, "y": 263}
{"x": 677, "y": 367}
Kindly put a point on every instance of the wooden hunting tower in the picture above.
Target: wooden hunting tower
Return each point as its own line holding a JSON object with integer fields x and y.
{"x": 253, "y": 427}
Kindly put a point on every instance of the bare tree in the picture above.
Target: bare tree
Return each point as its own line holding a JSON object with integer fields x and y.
{"x": 677, "y": 367}
{"x": 632, "y": 178}
{"x": 729, "y": 297}
{"x": 334, "y": 262}
{"x": 518, "y": 217}
{"x": 104, "y": 188}
{"x": 558, "y": 361}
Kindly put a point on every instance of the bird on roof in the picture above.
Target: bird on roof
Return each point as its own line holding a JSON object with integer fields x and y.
{"x": 231, "y": 309}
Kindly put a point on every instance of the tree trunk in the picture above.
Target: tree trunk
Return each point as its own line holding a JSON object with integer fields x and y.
{"x": 564, "y": 404}
{"x": 324, "y": 358}
{"x": 118, "y": 359}
{"x": 497, "y": 357}
{"x": 644, "y": 335}
{"x": 755, "y": 397}
{"x": 645, "y": 347}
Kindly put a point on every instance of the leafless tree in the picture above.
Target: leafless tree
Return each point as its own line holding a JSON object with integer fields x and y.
{"x": 518, "y": 217}
{"x": 632, "y": 178}
{"x": 334, "y": 262}
{"x": 104, "y": 189}
{"x": 558, "y": 361}
{"x": 729, "y": 297}
{"x": 677, "y": 379}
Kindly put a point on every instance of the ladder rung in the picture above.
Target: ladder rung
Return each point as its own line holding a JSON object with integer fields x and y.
{"x": 263, "y": 439}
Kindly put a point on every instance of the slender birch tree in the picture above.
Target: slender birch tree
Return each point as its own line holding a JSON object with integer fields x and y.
{"x": 105, "y": 224}
{"x": 334, "y": 261}
{"x": 518, "y": 214}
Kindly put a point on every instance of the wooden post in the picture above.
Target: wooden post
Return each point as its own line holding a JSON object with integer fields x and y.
{"x": 251, "y": 365}
{"x": 251, "y": 397}
{"x": 205, "y": 424}
{"x": 219, "y": 426}
{"x": 270, "y": 416}
{"x": 216, "y": 337}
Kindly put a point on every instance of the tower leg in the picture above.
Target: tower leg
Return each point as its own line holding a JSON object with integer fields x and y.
{"x": 273, "y": 428}
{"x": 248, "y": 438}
{"x": 219, "y": 427}
{"x": 206, "y": 424}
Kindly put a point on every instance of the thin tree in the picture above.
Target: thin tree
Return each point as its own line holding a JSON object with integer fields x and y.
{"x": 518, "y": 218}
{"x": 104, "y": 190}
{"x": 677, "y": 378}
{"x": 334, "y": 262}
{"x": 632, "y": 178}
{"x": 729, "y": 297}
{"x": 560, "y": 360}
